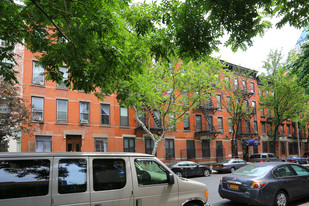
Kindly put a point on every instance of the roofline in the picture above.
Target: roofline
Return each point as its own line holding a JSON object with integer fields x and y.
{"x": 231, "y": 66}
{"x": 71, "y": 154}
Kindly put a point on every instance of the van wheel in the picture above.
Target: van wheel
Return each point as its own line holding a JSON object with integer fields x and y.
{"x": 179, "y": 174}
{"x": 281, "y": 199}
{"x": 206, "y": 173}
{"x": 192, "y": 204}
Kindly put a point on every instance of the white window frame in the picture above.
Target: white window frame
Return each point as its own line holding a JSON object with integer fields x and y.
{"x": 82, "y": 119}
{"x": 62, "y": 111}
{"x": 38, "y": 76}
{"x": 37, "y": 111}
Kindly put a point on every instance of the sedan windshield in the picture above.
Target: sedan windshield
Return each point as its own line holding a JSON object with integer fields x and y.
{"x": 253, "y": 170}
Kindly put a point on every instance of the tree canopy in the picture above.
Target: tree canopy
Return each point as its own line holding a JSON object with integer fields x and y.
{"x": 101, "y": 42}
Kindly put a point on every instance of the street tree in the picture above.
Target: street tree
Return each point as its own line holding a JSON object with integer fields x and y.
{"x": 283, "y": 97}
{"x": 14, "y": 114}
{"x": 173, "y": 89}
{"x": 236, "y": 103}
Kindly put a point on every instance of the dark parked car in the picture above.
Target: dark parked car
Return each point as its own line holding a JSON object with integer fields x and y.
{"x": 265, "y": 157}
{"x": 296, "y": 159}
{"x": 306, "y": 154}
{"x": 188, "y": 168}
{"x": 270, "y": 183}
{"x": 229, "y": 165}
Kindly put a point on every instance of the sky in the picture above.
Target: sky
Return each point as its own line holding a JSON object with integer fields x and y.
{"x": 284, "y": 38}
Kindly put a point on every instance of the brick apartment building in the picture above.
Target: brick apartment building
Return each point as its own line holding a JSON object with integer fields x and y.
{"x": 66, "y": 120}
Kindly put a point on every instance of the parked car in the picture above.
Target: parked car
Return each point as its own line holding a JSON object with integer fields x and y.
{"x": 189, "y": 169}
{"x": 93, "y": 179}
{"x": 270, "y": 183}
{"x": 229, "y": 165}
{"x": 306, "y": 154}
{"x": 297, "y": 159}
{"x": 265, "y": 157}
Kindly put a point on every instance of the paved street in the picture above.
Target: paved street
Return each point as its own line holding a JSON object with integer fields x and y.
{"x": 215, "y": 200}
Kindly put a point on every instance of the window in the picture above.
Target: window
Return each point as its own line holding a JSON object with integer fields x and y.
{"x": 263, "y": 128}
{"x": 43, "y": 144}
{"x": 219, "y": 149}
{"x": 129, "y": 144}
{"x": 218, "y": 101}
{"x": 283, "y": 171}
{"x": 105, "y": 113}
{"x": 108, "y": 174}
{"x": 220, "y": 124}
{"x": 149, "y": 144}
{"x": 62, "y": 111}
{"x": 255, "y": 127}
{"x": 260, "y": 92}
{"x": 239, "y": 127}
{"x": 230, "y": 122}
{"x": 210, "y": 123}
{"x": 262, "y": 113}
{"x": 253, "y": 107}
{"x": 283, "y": 148}
{"x": 255, "y": 149}
{"x": 282, "y": 130}
{"x": 37, "y": 108}
{"x": 299, "y": 170}
{"x": 288, "y": 128}
{"x": 268, "y": 113}
{"x": 157, "y": 118}
{"x": 265, "y": 147}
{"x": 198, "y": 123}
{"x": 185, "y": 97}
{"x": 244, "y": 85}
{"x": 290, "y": 148}
{"x": 169, "y": 148}
{"x": 84, "y": 111}
{"x": 124, "y": 116}
{"x": 186, "y": 123}
{"x": 72, "y": 176}
{"x": 142, "y": 116}
{"x": 64, "y": 71}
{"x": 252, "y": 87}
{"x": 269, "y": 129}
{"x": 24, "y": 178}
{"x": 100, "y": 144}
{"x": 190, "y": 149}
{"x": 206, "y": 148}
{"x": 236, "y": 83}
{"x": 37, "y": 74}
{"x": 149, "y": 172}
{"x": 248, "y": 131}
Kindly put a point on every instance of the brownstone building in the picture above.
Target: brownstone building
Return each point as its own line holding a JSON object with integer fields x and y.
{"x": 66, "y": 120}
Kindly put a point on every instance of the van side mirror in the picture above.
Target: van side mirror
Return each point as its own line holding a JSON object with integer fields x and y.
{"x": 170, "y": 179}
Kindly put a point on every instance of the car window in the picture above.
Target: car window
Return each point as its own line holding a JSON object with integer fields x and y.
{"x": 255, "y": 156}
{"x": 300, "y": 170}
{"x": 108, "y": 174}
{"x": 235, "y": 161}
{"x": 253, "y": 170}
{"x": 183, "y": 164}
{"x": 283, "y": 171}
{"x": 264, "y": 156}
{"x": 24, "y": 178}
{"x": 271, "y": 155}
{"x": 150, "y": 172}
{"x": 192, "y": 164}
{"x": 242, "y": 161}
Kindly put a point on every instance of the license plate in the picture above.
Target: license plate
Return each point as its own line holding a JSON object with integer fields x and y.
{"x": 234, "y": 187}
{"x": 217, "y": 166}
{"x": 254, "y": 162}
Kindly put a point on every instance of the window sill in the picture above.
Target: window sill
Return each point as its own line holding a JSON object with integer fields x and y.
{"x": 37, "y": 85}
{"x": 105, "y": 125}
{"x": 39, "y": 122}
{"x": 85, "y": 124}
{"x": 60, "y": 88}
{"x": 124, "y": 127}
{"x": 65, "y": 123}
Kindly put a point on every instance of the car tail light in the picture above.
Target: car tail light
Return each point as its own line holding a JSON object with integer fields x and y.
{"x": 259, "y": 184}
{"x": 223, "y": 165}
{"x": 262, "y": 160}
{"x": 221, "y": 181}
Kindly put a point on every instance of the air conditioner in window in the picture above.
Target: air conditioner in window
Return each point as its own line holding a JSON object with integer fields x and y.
{"x": 37, "y": 118}
{"x": 84, "y": 121}
{"x": 37, "y": 81}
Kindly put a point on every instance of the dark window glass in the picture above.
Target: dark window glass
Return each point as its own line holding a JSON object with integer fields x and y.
{"x": 198, "y": 123}
{"x": 186, "y": 123}
{"x": 283, "y": 171}
{"x": 105, "y": 113}
{"x": 149, "y": 146}
{"x": 128, "y": 144}
{"x": 24, "y": 178}
{"x": 210, "y": 123}
{"x": 169, "y": 148}
{"x": 124, "y": 116}
{"x": 290, "y": 148}
{"x": 263, "y": 128}
{"x": 100, "y": 144}
{"x": 283, "y": 148}
{"x": 190, "y": 149}
{"x": 72, "y": 176}
{"x": 220, "y": 124}
{"x": 150, "y": 172}
{"x": 206, "y": 148}
{"x": 219, "y": 149}
{"x": 108, "y": 174}
{"x": 265, "y": 146}
{"x": 255, "y": 149}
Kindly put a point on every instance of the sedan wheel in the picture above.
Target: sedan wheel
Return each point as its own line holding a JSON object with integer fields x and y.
{"x": 307, "y": 162}
{"x": 232, "y": 169}
{"x": 281, "y": 199}
{"x": 206, "y": 173}
{"x": 179, "y": 174}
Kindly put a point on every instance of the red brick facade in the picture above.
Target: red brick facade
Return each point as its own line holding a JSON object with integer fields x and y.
{"x": 73, "y": 135}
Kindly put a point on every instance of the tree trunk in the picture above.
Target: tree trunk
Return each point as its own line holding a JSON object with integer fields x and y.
{"x": 275, "y": 139}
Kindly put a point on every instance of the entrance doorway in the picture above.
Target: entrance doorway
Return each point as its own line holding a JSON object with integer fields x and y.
{"x": 74, "y": 143}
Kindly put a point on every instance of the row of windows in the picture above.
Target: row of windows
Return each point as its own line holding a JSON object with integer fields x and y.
{"x": 27, "y": 178}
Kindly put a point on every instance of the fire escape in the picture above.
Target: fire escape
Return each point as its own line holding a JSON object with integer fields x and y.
{"x": 156, "y": 129}
{"x": 208, "y": 111}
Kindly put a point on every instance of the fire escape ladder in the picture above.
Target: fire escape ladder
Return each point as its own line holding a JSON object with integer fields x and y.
{"x": 155, "y": 118}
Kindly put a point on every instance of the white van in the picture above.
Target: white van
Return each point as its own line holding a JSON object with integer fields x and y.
{"x": 96, "y": 179}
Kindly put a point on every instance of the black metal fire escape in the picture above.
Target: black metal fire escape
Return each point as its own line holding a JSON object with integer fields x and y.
{"x": 157, "y": 123}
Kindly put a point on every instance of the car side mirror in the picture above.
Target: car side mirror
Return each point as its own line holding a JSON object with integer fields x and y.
{"x": 170, "y": 179}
